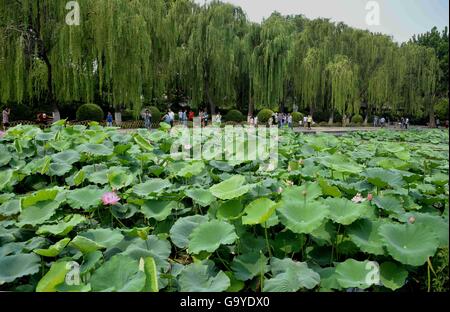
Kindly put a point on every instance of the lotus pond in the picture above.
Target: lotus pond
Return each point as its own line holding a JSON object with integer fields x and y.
{"x": 95, "y": 209}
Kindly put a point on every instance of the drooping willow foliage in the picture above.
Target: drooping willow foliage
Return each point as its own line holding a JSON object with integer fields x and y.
{"x": 127, "y": 53}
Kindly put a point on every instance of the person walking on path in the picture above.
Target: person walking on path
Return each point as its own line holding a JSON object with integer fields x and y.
{"x": 148, "y": 119}
{"x": 406, "y": 123}
{"x": 109, "y": 120}
{"x": 172, "y": 117}
{"x": 5, "y": 118}
{"x": 310, "y": 120}
{"x": 438, "y": 123}
{"x": 185, "y": 118}
{"x": 375, "y": 121}
{"x": 289, "y": 121}
{"x": 382, "y": 122}
{"x": 180, "y": 117}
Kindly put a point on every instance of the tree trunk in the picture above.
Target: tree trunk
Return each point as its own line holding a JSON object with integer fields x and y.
{"x": 432, "y": 123}
{"x": 212, "y": 106}
{"x": 251, "y": 107}
{"x": 331, "y": 120}
{"x": 118, "y": 118}
{"x": 50, "y": 95}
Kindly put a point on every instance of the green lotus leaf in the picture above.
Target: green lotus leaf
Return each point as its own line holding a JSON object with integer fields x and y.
{"x": 5, "y": 178}
{"x": 90, "y": 260}
{"x": 232, "y": 188}
{"x": 437, "y": 224}
{"x": 59, "y": 169}
{"x": 208, "y": 236}
{"x": 62, "y": 228}
{"x": 300, "y": 216}
{"x": 187, "y": 170}
{"x": 5, "y": 156}
{"x": 393, "y": 275}
{"x": 15, "y": 266}
{"x": 104, "y": 237}
{"x": 151, "y": 275}
{"x": 158, "y": 209}
{"x": 73, "y": 288}
{"x": 329, "y": 190}
{"x": 202, "y": 197}
{"x": 38, "y": 213}
{"x": 308, "y": 191}
{"x": 98, "y": 177}
{"x": 152, "y": 186}
{"x": 157, "y": 248}
{"x": 410, "y": 244}
{"x": 119, "y": 179}
{"x": 143, "y": 143}
{"x": 258, "y": 212}
{"x": 202, "y": 277}
{"x": 120, "y": 274}
{"x": 344, "y": 211}
{"x": 382, "y": 178}
{"x": 290, "y": 276}
{"x": 95, "y": 149}
{"x": 235, "y": 284}
{"x": 45, "y": 136}
{"x": 365, "y": 234}
{"x": 54, "y": 277}
{"x": 341, "y": 163}
{"x": 39, "y": 196}
{"x": 85, "y": 198}
{"x": 389, "y": 203}
{"x": 183, "y": 227}
{"x": 85, "y": 245}
{"x": 69, "y": 157}
{"x": 356, "y": 274}
{"x": 439, "y": 179}
{"x": 328, "y": 279}
{"x": 10, "y": 208}
{"x": 53, "y": 250}
{"x": 230, "y": 210}
{"x": 249, "y": 265}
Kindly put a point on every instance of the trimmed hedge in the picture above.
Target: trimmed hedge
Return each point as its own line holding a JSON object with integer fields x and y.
{"x": 297, "y": 117}
{"x": 234, "y": 115}
{"x": 90, "y": 112}
{"x": 264, "y": 116}
{"x": 357, "y": 119}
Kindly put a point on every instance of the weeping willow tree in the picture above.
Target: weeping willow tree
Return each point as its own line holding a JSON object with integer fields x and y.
{"x": 419, "y": 76}
{"x": 210, "y": 56}
{"x": 343, "y": 85}
{"x": 268, "y": 70}
{"x": 131, "y": 46}
{"x": 129, "y": 53}
{"x": 26, "y": 44}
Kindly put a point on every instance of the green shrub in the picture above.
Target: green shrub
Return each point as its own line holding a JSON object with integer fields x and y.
{"x": 264, "y": 116}
{"x": 297, "y": 117}
{"x": 357, "y": 119}
{"x": 234, "y": 115}
{"x": 90, "y": 112}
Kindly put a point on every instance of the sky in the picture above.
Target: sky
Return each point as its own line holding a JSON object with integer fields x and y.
{"x": 398, "y": 18}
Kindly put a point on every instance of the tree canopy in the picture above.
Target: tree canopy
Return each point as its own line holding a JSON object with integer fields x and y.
{"x": 126, "y": 54}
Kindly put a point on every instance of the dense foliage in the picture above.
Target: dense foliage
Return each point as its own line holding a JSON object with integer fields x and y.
{"x": 90, "y": 112}
{"x": 332, "y": 205}
{"x": 264, "y": 116}
{"x": 234, "y": 115}
{"x": 147, "y": 52}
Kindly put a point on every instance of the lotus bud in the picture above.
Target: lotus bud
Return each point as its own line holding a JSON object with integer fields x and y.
{"x": 412, "y": 220}
{"x": 370, "y": 197}
{"x": 280, "y": 190}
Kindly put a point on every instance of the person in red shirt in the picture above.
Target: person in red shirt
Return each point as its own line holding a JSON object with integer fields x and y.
{"x": 191, "y": 116}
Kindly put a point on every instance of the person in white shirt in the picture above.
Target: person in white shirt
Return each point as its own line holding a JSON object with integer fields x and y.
{"x": 171, "y": 116}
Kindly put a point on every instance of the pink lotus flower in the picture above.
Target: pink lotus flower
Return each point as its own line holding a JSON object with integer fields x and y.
{"x": 370, "y": 197}
{"x": 2, "y": 133}
{"x": 358, "y": 199}
{"x": 110, "y": 198}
